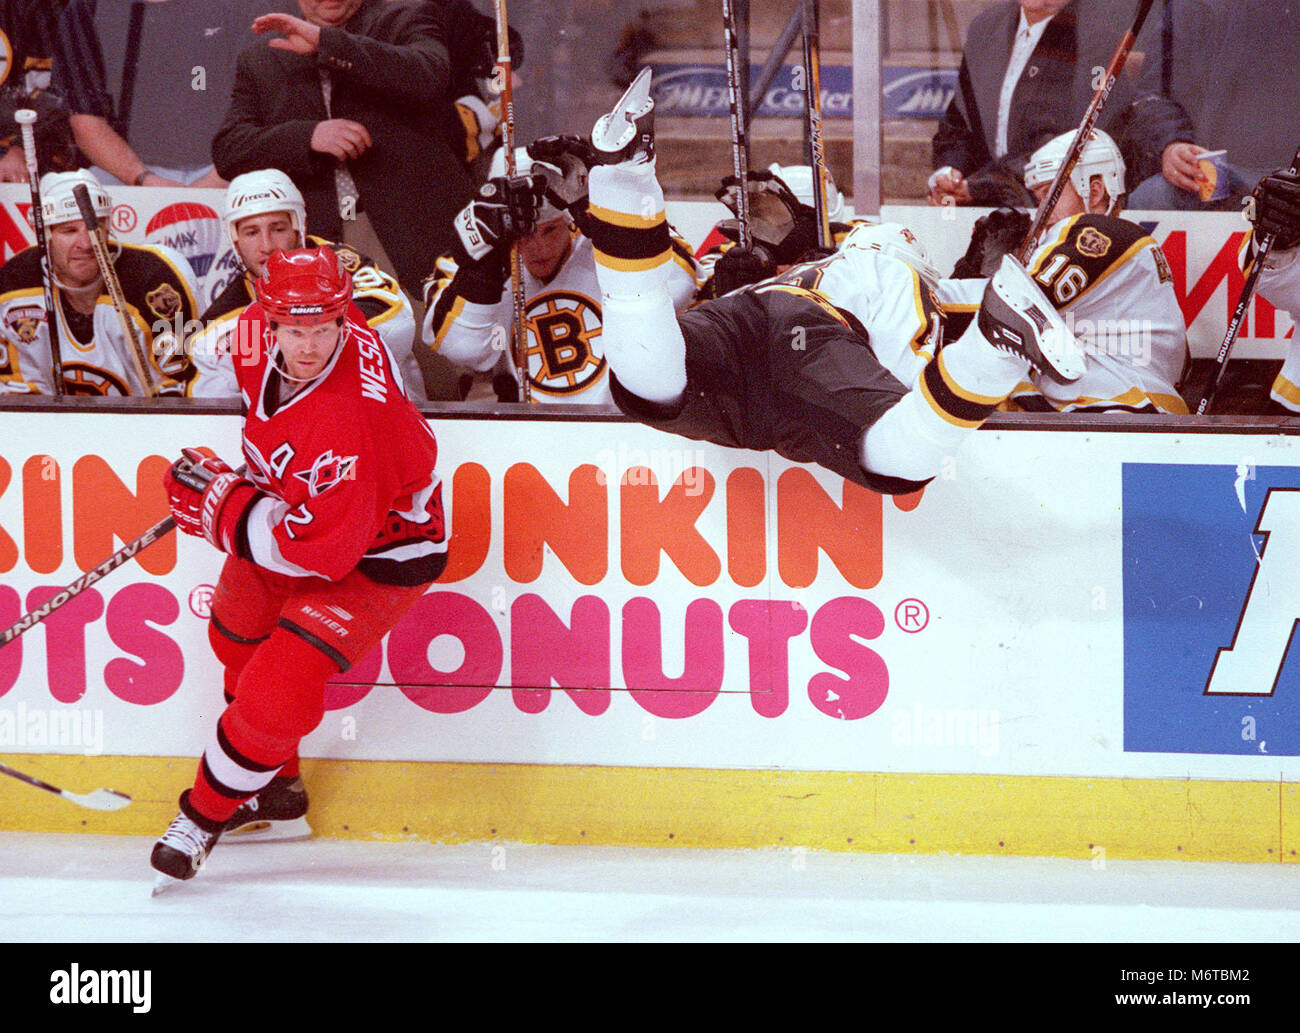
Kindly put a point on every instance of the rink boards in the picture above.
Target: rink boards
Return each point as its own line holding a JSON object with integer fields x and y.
{"x": 1073, "y": 642}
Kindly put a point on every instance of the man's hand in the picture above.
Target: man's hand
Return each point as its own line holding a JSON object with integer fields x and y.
{"x": 302, "y": 37}
{"x": 948, "y": 186}
{"x": 1179, "y": 167}
{"x": 340, "y": 138}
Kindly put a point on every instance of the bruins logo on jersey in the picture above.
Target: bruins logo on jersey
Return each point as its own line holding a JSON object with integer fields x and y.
{"x": 1093, "y": 243}
{"x": 80, "y": 378}
{"x": 348, "y": 258}
{"x": 561, "y": 328}
{"x": 25, "y": 321}
{"x": 164, "y": 300}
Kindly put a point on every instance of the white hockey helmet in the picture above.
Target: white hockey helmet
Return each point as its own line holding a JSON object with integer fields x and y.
{"x": 896, "y": 240}
{"x": 799, "y": 178}
{"x": 1099, "y": 157}
{"x": 259, "y": 193}
{"x": 59, "y": 204}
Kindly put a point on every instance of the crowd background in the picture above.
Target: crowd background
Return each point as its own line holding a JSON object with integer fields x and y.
{"x": 147, "y": 102}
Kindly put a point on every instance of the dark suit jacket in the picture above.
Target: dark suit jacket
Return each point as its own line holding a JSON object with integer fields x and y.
{"x": 1049, "y": 99}
{"x": 389, "y": 68}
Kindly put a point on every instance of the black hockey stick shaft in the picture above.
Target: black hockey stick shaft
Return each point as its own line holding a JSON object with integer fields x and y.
{"x": 26, "y": 119}
{"x": 739, "y": 141}
{"x": 813, "y": 104}
{"x": 99, "y": 244}
{"x": 1239, "y": 314}
{"x": 504, "y": 85}
{"x": 99, "y": 800}
{"x": 1090, "y": 116}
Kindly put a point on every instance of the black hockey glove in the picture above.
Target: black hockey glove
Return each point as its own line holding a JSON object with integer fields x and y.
{"x": 505, "y": 210}
{"x": 1277, "y": 208}
{"x": 553, "y": 148}
{"x": 739, "y": 267}
{"x": 996, "y": 234}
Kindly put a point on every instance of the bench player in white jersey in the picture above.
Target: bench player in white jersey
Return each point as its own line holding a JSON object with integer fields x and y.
{"x": 468, "y": 298}
{"x": 1276, "y": 210}
{"x": 803, "y": 364}
{"x": 264, "y": 212}
{"x": 157, "y": 286}
{"x": 1111, "y": 281}
{"x": 334, "y": 533}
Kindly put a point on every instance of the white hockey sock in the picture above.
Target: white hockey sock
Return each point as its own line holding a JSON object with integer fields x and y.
{"x": 955, "y": 393}
{"x": 629, "y": 232}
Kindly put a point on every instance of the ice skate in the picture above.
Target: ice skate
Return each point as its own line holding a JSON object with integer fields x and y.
{"x": 1016, "y": 316}
{"x": 277, "y": 814}
{"x": 183, "y": 848}
{"x": 627, "y": 132}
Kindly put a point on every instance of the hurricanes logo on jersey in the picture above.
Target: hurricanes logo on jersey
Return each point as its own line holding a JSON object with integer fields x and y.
{"x": 561, "y": 328}
{"x": 327, "y": 471}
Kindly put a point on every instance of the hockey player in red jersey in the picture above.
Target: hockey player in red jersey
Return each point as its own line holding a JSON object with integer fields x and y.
{"x": 334, "y": 532}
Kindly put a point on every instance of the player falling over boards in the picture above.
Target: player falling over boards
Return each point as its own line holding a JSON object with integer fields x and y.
{"x": 799, "y": 364}
{"x": 334, "y": 533}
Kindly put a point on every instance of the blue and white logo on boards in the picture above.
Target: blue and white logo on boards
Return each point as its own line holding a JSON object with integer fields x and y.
{"x": 1211, "y": 604}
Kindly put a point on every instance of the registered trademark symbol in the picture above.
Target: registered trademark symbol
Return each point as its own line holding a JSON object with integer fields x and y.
{"x": 911, "y": 616}
{"x": 201, "y": 601}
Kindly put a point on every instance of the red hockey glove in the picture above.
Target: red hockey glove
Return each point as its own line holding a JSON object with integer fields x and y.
{"x": 208, "y": 499}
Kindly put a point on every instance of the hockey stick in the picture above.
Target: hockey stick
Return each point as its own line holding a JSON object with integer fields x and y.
{"x": 99, "y": 244}
{"x": 26, "y": 119}
{"x": 504, "y": 85}
{"x": 1090, "y": 116}
{"x": 813, "y": 104}
{"x": 99, "y": 800}
{"x": 29, "y": 620}
{"x": 1239, "y": 314}
{"x": 739, "y": 141}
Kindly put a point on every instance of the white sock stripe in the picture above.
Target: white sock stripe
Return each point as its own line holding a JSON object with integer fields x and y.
{"x": 230, "y": 773}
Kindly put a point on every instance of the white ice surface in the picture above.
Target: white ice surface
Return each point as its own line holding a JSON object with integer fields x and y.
{"x": 88, "y": 888}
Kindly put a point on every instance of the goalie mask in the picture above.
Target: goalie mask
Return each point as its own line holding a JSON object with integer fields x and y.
{"x": 59, "y": 203}
{"x": 260, "y": 193}
{"x": 896, "y": 240}
{"x": 1099, "y": 157}
{"x": 566, "y": 180}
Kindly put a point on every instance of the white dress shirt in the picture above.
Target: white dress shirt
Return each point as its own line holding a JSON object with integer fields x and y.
{"x": 1027, "y": 37}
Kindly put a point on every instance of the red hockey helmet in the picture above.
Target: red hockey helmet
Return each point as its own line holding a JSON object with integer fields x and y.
{"x": 304, "y": 287}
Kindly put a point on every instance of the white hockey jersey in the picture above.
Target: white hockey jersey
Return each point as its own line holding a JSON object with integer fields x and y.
{"x": 1279, "y": 283}
{"x": 1112, "y": 283}
{"x": 158, "y": 286}
{"x": 905, "y": 317}
{"x": 566, "y": 363}
{"x": 375, "y": 293}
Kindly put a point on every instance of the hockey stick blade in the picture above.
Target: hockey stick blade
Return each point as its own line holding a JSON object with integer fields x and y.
{"x": 99, "y": 800}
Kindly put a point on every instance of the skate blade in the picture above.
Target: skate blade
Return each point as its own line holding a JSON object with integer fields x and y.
{"x": 162, "y": 883}
{"x": 289, "y": 831}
